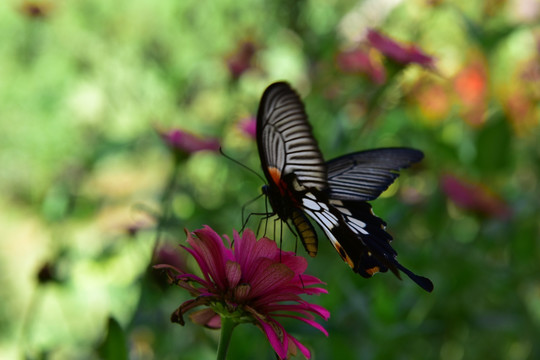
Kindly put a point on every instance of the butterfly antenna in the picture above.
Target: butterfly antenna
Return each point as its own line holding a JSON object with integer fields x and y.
{"x": 242, "y": 165}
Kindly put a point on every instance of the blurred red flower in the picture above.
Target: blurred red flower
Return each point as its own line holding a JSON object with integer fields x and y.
{"x": 253, "y": 282}
{"x": 474, "y": 197}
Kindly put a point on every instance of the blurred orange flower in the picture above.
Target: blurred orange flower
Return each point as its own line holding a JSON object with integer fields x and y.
{"x": 471, "y": 88}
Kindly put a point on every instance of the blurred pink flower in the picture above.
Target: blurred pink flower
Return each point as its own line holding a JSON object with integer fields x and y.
{"x": 241, "y": 60}
{"x": 405, "y": 55}
{"x": 248, "y": 126}
{"x": 474, "y": 197}
{"x": 359, "y": 61}
{"x": 254, "y": 281}
{"x": 168, "y": 254}
{"x": 186, "y": 143}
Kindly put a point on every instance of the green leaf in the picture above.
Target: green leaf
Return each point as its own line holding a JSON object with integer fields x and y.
{"x": 114, "y": 346}
{"x": 493, "y": 146}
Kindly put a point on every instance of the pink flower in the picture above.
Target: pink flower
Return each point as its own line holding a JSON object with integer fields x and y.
{"x": 168, "y": 254}
{"x": 359, "y": 61}
{"x": 399, "y": 53}
{"x": 252, "y": 281}
{"x": 474, "y": 197}
{"x": 185, "y": 143}
{"x": 248, "y": 126}
{"x": 241, "y": 60}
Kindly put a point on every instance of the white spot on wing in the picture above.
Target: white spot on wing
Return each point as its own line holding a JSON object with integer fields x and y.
{"x": 310, "y": 204}
{"x": 324, "y": 226}
{"x": 357, "y": 222}
{"x": 344, "y": 211}
{"x": 356, "y": 225}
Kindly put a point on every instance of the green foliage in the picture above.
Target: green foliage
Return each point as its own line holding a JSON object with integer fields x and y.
{"x": 114, "y": 346}
{"x": 91, "y": 189}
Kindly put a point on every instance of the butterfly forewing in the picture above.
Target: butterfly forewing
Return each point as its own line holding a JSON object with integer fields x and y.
{"x": 286, "y": 143}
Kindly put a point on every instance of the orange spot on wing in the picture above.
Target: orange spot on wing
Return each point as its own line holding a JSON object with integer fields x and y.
{"x": 373, "y": 270}
{"x": 341, "y": 251}
{"x": 275, "y": 174}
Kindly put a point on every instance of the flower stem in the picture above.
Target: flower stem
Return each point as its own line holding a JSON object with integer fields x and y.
{"x": 227, "y": 327}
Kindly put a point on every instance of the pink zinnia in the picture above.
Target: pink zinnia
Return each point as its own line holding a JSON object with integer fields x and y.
{"x": 252, "y": 281}
{"x": 402, "y": 54}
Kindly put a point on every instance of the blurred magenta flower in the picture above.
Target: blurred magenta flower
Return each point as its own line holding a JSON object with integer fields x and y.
{"x": 474, "y": 197}
{"x": 360, "y": 61}
{"x": 248, "y": 126}
{"x": 168, "y": 254}
{"x": 241, "y": 59}
{"x": 184, "y": 143}
{"x": 402, "y": 54}
{"x": 252, "y": 281}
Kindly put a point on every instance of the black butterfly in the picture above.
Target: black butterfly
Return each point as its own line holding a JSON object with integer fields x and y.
{"x": 332, "y": 193}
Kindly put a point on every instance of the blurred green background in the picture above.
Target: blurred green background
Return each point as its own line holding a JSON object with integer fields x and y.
{"x": 86, "y": 85}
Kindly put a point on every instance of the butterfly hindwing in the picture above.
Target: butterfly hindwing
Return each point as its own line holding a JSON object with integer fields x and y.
{"x": 366, "y": 174}
{"x": 359, "y": 236}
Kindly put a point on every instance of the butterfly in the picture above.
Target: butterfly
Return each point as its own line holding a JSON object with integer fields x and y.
{"x": 302, "y": 186}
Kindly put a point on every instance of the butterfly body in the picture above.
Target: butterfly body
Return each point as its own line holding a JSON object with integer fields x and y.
{"x": 332, "y": 193}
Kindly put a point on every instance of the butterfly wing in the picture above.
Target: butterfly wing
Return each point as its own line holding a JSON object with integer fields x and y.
{"x": 290, "y": 157}
{"x": 285, "y": 139}
{"x": 365, "y": 175}
{"x": 376, "y": 254}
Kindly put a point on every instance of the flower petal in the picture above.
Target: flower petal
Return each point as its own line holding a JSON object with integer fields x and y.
{"x": 307, "y": 321}
{"x": 296, "y": 263}
{"x": 273, "y": 333}
{"x": 241, "y": 292}
{"x": 233, "y": 272}
{"x": 210, "y": 247}
{"x": 248, "y": 251}
{"x": 205, "y": 317}
{"x": 269, "y": 277}
{"x": 302, "y": 348}
{"x": 177, "y": 315}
